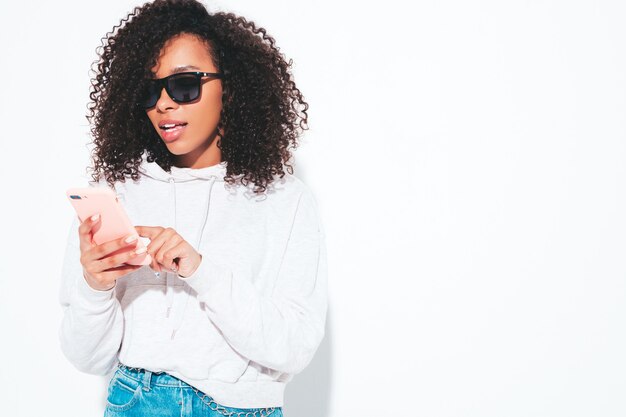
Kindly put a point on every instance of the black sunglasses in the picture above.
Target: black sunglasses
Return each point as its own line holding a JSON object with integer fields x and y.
{"x": 182, "y": 87}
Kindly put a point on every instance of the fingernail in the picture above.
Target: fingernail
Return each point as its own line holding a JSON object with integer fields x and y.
{"x": 95, "y": 217}
{"x": 141, "y": 250}
{"x": 130, "y": 238}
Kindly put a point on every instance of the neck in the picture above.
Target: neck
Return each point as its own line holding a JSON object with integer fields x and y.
{"x": 203, "y": 156}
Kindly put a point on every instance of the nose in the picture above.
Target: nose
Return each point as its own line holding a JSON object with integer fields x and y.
{"x": 165, "y": 101}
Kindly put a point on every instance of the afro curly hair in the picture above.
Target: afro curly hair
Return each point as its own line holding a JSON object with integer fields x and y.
{"x": 263, "y": 112}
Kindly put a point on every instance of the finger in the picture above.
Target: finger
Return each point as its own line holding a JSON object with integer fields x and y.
{"x": 177, "y": 254}
{"x": 159, "y": 240}
{"x": 149, "y": 231}
{"x": 126, "y": 268}
{"x": 155, "y": 266}
{"x": 105, "y": 279}
{"x": 170, "y": 249}
{"x": 113, "y": 274}
{"x": 85, "y": 234}
{"x": 119, "y": 258}
{"x": 113, "y": 247}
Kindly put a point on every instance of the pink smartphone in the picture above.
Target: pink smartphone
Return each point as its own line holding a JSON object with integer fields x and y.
{"x": 114, "y": 222}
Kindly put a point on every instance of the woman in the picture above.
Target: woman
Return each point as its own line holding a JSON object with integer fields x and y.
{"x": 192, "y": 116}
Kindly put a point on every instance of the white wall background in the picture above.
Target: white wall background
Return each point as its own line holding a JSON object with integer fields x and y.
{"x": 469, "y": 162}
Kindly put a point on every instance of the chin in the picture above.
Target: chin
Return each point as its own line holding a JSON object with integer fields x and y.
{"x": 174, "y": 149}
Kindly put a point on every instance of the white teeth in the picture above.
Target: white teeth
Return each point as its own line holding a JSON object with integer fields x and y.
{"x": 167, "y": 126}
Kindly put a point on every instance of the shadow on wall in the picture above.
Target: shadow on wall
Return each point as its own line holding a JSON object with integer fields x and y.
{"x": 308, "y": 393}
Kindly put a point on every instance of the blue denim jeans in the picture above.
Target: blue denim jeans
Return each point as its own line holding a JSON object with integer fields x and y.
{"x": 136, "y": 392}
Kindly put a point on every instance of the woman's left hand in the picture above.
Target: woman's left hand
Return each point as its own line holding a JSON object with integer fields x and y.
{"x": 170, "y": 251}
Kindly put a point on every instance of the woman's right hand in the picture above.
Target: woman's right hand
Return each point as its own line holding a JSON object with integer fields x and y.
{"x": 100, "y": 267}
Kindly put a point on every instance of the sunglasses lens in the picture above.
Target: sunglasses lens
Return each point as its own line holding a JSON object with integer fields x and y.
{"x": 151, "y": 95}
{"x": 184, "y": 88}
{"x": 181, "y": 88}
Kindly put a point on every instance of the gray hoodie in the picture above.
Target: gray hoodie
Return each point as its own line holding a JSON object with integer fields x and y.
{"x": 250, "y": 317}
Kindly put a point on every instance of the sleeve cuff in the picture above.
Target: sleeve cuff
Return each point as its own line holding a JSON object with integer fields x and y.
{"x": 207, "y": 274}
{"x": 91, "y": 294}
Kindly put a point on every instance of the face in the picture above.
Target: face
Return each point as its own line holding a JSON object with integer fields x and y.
{"x": 195, "y": 145}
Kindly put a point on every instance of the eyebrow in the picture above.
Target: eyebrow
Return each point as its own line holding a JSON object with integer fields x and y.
{"x": 181, "y": 68}
{"x": 184, "y": 68}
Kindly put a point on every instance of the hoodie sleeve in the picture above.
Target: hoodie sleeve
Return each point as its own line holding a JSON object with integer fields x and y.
{"x": 283, "y": 330}
{"x": 92, "y": 325}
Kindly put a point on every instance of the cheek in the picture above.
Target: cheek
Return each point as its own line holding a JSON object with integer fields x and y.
{"x": 153, "y": 117}
{"x": 210, "y": 110}
{"x": 215, "y": 101}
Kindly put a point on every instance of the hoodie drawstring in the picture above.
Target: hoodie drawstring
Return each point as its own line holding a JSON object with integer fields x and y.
{"x": 171, "y": 277}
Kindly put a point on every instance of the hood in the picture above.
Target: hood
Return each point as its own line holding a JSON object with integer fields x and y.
{"x": 210, "y": 175}
{"x": 153, "y": 170}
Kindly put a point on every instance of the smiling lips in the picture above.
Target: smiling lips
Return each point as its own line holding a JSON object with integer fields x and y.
{"x": 171, "y": 129}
